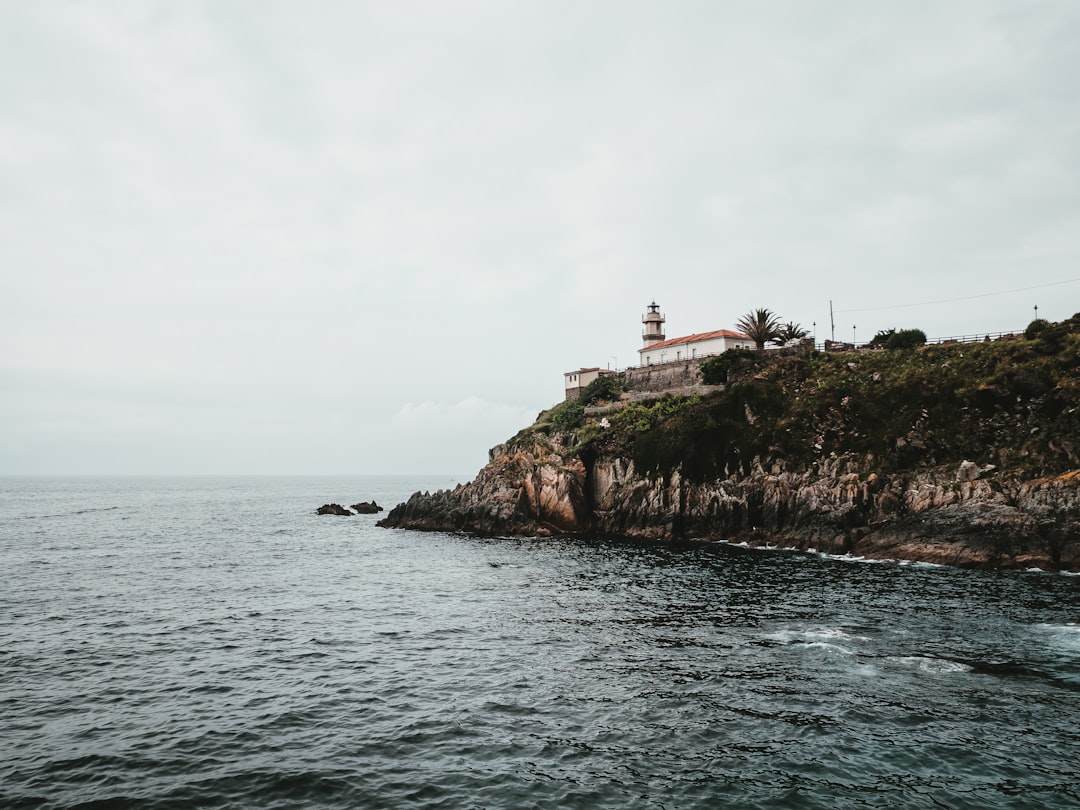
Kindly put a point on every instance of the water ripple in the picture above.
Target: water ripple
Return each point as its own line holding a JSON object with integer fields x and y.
{"x": 211, "y": 643}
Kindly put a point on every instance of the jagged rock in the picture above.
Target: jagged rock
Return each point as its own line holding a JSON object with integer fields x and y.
{"x": 332, "y": 509}
{"x": 935, "y": 515}
{"x": 523, "y": 492}
{"x": 968, "y": 471}
{"x": 366, "y": 508}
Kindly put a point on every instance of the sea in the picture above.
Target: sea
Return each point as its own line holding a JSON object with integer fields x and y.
{"x": 211, "y": 642}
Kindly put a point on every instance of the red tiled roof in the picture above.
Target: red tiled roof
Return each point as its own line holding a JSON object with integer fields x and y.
{"x": 695, "y": 338}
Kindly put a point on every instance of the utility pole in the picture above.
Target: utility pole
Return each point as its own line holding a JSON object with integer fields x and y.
{"x": 832, "y": 324}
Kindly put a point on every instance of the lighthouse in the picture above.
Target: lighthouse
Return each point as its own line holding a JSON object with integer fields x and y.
{"x": 654, "y": 326}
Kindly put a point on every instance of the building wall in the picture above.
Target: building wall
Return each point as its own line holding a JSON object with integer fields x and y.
{"x": 691, "y": 351}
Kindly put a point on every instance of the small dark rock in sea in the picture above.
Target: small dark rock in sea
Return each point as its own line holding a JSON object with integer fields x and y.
{"x": 365, "y": 508}
{"x": 332, "y": 509}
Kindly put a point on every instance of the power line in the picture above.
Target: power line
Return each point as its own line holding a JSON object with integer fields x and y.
{"x": 963, "y": 298}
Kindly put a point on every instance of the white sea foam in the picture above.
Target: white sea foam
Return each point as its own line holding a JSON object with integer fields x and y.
{"x": 933, "y": 666}
{"x": 851, "y": 558}
{"x": 828, "y": 639}
{"x": 1062, "y": 636}
{"x": 919, "y": 564}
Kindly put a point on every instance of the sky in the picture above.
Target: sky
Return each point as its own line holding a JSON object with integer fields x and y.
{"x": 243, "y": 237}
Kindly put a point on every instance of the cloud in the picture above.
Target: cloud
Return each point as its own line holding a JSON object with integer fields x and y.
{"x": 411, "y": 213}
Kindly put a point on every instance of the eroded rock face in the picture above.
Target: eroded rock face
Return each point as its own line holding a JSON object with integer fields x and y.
{"x": 964, "y": 515}
{"x": 524, "y": 492}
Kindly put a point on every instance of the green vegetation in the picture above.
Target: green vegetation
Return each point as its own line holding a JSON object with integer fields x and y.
{"x": 879, "y": 340}
{"x": 906, "y": 339}
{"x": 902, "y": 339}
{"x": 1035, "y": 328}
{"x": 789, "y": 332}
{"x": 718, "y": 369}
{"x": 1012, "y": 403}
{"x": 760, "y": 325}
{"x": 568, "y": 416}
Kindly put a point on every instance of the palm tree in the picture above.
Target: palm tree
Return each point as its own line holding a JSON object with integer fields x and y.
{"x": 760, "y": 325}
{"x": 789, "y": 332}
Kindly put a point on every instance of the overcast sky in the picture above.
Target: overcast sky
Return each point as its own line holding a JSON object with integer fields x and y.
{"x": 360, "y": 237}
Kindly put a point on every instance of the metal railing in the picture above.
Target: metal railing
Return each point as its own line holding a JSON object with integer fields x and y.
{"x": 980, "y": 337}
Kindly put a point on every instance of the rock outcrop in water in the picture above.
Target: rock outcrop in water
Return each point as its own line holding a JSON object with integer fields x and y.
{"x": 362, "y": 508}
{"x": 366, "y": 508}
{"x": 964, "y": 455}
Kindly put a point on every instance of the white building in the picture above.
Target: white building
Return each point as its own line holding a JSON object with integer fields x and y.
{"x": 659, "y": 350}
{"x": 574, "y": 381}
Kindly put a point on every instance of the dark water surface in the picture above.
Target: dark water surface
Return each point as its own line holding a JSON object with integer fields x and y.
{"x": 213, "y": 643}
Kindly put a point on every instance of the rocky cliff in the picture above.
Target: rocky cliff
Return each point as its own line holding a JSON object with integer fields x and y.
{"x": 963, "y": 455}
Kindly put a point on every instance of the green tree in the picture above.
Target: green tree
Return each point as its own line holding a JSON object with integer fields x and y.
{"x": 789, "y": 332}
{"x": 1035, "y": 328}
{"x": 760, "y": 325}
{"x": 906, "y": 339}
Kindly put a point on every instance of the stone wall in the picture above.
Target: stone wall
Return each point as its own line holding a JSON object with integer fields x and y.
{"x": 664, "y": 376}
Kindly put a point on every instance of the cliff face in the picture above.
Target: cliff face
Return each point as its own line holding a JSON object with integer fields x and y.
{"x": 958, "y": 515}
{"x": 520, "y": 492}
{"x": 872, "y": 465}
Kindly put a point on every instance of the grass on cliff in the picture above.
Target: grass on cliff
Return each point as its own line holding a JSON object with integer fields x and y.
{"x": 1013, "y": 403}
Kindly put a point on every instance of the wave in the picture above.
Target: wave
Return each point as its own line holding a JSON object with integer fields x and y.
{"x": 846, "y": 558}
{"x": 813, "y": 634}
{"x": 69, "y": 514}
{"x": 1063, "y": 636}
{"x": 828, "y": 640}
{"x": 935, "y": 666}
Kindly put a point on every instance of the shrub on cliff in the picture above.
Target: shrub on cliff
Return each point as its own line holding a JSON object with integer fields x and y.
{"x": 605, "y": 388}
{"x": 1035, "y": 328}
{"x": 568, "y": 415}
{"x": 717, "y": 369}
{"x": 906, "y": 339}
{"x": 1055, "y": 337}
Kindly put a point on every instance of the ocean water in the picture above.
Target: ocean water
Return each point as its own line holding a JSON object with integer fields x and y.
{"x": 210, "y": 642}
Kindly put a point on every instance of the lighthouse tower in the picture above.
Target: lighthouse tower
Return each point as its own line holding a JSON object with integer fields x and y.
{"x": 654, "y": 326}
